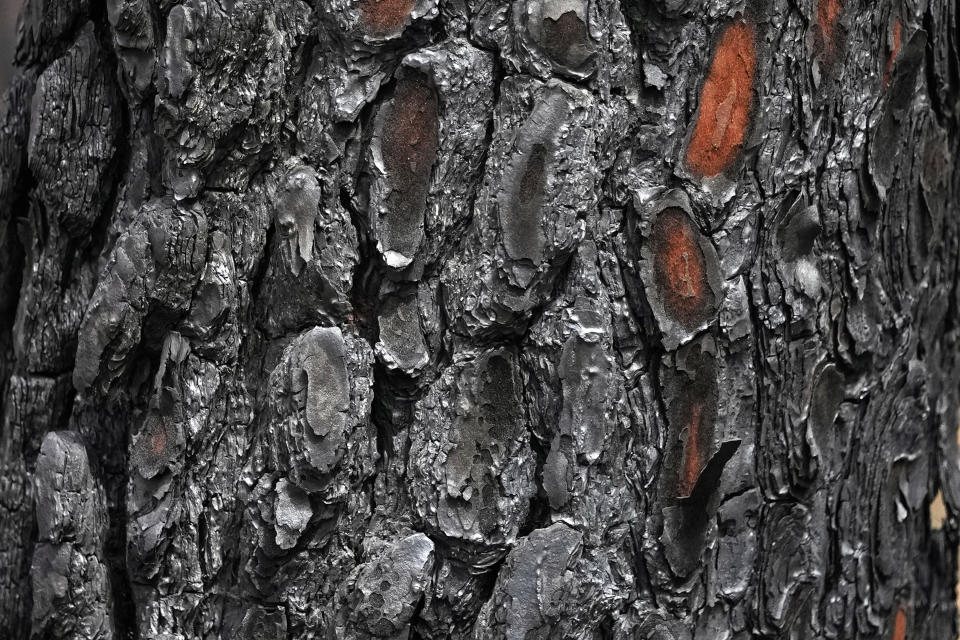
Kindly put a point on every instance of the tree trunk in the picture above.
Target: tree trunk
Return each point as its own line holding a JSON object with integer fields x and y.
{"x": 438, "y": 319}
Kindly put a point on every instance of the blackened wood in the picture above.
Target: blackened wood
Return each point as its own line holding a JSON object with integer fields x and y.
{"x": 470, "y": 319}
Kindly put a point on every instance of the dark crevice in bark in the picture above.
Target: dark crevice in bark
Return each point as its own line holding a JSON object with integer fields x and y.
{"x": 941, "y": 111}
{"x": 12, "y": 279}
{"x": 538, "y": 515}
{"x": 263, "y": 267}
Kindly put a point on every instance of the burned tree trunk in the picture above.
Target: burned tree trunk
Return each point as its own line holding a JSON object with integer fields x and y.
{"x": 472, "y": 319}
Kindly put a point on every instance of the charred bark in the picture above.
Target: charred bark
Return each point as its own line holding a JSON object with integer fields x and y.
{"x": 469, "y": 319}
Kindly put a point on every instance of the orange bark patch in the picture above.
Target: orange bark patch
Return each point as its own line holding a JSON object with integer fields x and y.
{"x": 900, "y": 625}
{"x": 725, "y": 103}
{"x": 828, "y": 11}
{"x": 383, "y": 17}
{"x": 680, "y": 270}
{"x": 895, "y": 49}
{"x": 692, "y": 453}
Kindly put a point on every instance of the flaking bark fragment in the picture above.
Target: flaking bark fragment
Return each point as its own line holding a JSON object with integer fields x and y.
{"x": 527, "y": 219}
{"x": 210, "y": 93}
{"x": 408, "y": 132}
{"x": 151, "y": 275}
{"x": 74, "y": 121}
{"x": 726, "y": 102}
{"x": 425, "y": 154}
{"x": 385, "y": 593}
{"x": 134, "y": 34}
{"x": 403, "y": 342}
{"x": 42, "y": 23}
{"x": 528, "y": 596}
{"x": 470, "y": 473}
{"x": 71, "y": 588}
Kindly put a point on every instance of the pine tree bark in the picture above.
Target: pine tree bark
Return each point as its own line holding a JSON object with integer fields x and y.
{"x": 436, "y": 319}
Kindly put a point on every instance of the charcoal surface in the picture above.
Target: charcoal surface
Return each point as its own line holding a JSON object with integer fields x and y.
{"x": 480, "y": 320}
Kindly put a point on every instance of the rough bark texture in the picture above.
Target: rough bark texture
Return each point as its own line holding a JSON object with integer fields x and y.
{"x": 595, "y": 319}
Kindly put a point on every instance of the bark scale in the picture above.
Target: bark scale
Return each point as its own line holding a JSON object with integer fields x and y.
{"x": 471, "y": 319}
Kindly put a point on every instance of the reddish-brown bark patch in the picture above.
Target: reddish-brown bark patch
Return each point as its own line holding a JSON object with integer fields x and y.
{"x": 566, "y": 39}
{"x": 828, "y": 12}
{"x": 725, "y": 103}
{"x": 894, "y": 50}
{"x": 692, "y": 415}
{"x": 899, "y": 625}
{"x": 409, "y": 148}
{"x": 692, "y": 453}
{"x": 680, "y": 269}
{"x": 383, "y": 17}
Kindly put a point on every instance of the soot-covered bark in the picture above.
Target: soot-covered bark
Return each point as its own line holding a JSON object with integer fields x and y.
{"x": 476, "y": 319}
